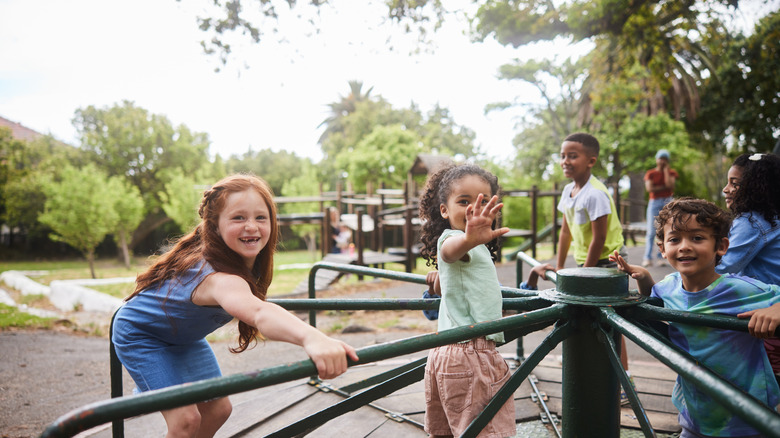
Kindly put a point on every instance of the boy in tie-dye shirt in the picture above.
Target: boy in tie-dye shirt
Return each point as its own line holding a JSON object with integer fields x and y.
{"x": 693, "y": 236}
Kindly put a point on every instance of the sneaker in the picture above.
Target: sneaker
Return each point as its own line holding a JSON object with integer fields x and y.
{"x": 647, "y": 263}
{"x": 661, "y": 263}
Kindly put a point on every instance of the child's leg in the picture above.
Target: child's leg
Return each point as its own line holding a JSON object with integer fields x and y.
{"x": 623, "y": 354}
{"x": 201, "y": 420}
{"x": 182, "y": 422}
{"x": 213, "y": 414}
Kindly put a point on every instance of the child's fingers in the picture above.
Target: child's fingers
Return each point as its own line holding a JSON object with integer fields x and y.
{"x": 748, "y": 314}
{"x": 500, "y": 232}
{"x": 351, "y": 353}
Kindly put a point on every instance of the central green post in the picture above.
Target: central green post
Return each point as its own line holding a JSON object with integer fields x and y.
{"x": 591, "y": 397}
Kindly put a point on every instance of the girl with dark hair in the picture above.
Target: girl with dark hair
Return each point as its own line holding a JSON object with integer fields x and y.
{"x": 753, "y": 196}
{"x": 219, "y": 271}
{"x": 459, "y": 207}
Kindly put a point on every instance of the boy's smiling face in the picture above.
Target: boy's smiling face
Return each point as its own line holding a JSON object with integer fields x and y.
{"x": 692, "y": 251}
{"x": 576, "y": 161}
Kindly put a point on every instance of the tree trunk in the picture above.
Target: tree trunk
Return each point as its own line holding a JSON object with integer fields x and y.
{"x": 91, "y": 260}
{"x": 636, "y": 198}
{"x": 123, "y": 250}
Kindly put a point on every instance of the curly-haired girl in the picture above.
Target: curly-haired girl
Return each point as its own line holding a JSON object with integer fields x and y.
{"x": 753, "y": 196}
{"x": 220, "y": 270}
{"x": 459, "y": 207}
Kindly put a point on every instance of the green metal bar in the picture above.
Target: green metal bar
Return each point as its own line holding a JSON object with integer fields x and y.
{"x": 550, "y": 275}
{"x": 764, "y": 419}
{"x": 589, "y": 390}
{"x": 379, "y": 378}
{"x": 384, "y": 273}
{"x": 555, "y": 337}
{"x": 181, "y": 395}
{"x": 633, "y": 397}
{"x": 525, "y": 303}
{"x": 115, "y": 372}
{"x": 350, "y": 404}
{"x": 726, "y": 322}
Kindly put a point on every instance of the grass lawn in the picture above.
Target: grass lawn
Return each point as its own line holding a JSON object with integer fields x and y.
{"x": 290, "y": 269}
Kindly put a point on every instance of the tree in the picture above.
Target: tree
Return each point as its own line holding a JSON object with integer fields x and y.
{"x": 342, "y": 108}
{"x": 80, "y": 209}
{"x": 128, "y": 141}
{"x": 741, "y": 105}
{"x": 129, "y": 206}
{"x": 24, "y": 166}
{"x": 383, "y": 156}
{"x": 181, "y": 199}
{"x": 302, "y": 185}
{"x": 274, "y": 167}
{"x": 549, "y": 120}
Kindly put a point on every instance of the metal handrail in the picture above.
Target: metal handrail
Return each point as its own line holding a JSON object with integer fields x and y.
{"x": 573, "y": 320}
{"x": 181, "y": 395}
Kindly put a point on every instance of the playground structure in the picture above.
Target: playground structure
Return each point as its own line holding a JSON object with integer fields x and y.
{"x": 589, "y": 308}
{"x": 377, "y": 216}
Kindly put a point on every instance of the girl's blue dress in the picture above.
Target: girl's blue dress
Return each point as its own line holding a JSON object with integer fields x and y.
{"x": 159, "y": 335}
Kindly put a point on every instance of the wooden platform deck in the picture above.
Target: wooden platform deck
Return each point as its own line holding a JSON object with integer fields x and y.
{"x": 265, "y": 411}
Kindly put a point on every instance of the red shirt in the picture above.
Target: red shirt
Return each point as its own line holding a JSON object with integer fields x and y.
{"x": 657, "y": 178}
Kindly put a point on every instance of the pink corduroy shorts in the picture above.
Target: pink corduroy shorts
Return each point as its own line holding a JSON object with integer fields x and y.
{"x": 460, "y": 380}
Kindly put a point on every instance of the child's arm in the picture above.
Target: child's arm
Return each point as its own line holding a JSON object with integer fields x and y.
{"x": 479, "y": 231}
{"x": 432, "y": 280}
{"x": 232, "y": 293}
{"x": 599, "y": 230}
{"x": 642, "y": 276}
{"x": 564, "y": 242}
{"x": 763, "y": 322}
{"x": 533, "y": 277}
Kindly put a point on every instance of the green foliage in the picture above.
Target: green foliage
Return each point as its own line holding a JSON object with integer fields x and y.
{"x": 126, "y": 140}
{"x": 12, "y": 317}
{"x": 181, "y": 199}
{"x": 274, "y": 167}
{"x": 383, "y": 156}
{"x": 356, "y": 116}
{"x": 301, "y": 185}
{"x": 79, "y": 209}
{"x": 129, "y": 206}
{"x": 24, "y": 166}
{"x": 740, "y": 104}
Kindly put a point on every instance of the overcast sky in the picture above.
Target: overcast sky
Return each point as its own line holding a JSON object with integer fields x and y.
{"x": 58, "y": 56}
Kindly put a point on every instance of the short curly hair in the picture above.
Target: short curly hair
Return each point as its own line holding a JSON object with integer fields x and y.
{"x": 758, "y": 191}
{"x": 706, "y": 214}
{"x": 437, "y": 189}
{"x": 589, "y": 142}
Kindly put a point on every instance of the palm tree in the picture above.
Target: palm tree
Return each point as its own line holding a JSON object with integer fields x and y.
{"x": 342, "y": 108}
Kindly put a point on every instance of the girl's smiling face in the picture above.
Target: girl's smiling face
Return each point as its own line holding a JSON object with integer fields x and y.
{"x": 245, "y": 225}
{"x": 732, "y": 184}
{"x": 464, "y": 192}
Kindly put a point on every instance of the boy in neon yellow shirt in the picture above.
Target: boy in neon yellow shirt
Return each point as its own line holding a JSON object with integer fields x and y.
{"x": 590, "y": 222}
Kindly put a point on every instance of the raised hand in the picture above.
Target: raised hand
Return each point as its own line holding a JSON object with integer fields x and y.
{"x": 479, "y": 219}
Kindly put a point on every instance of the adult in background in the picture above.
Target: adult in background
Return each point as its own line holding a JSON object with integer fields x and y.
{"x": 659, "y": 183}
{"x": 753, "y": 197}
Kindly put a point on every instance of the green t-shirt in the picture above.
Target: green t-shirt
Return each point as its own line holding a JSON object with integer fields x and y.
{"x": 470, "y": 289}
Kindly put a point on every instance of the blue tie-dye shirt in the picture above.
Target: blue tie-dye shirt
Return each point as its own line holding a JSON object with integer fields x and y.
{"x": 735, "y": 356}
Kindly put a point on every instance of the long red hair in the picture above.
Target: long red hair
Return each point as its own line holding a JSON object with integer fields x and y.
{"x": 205, "y": 243}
